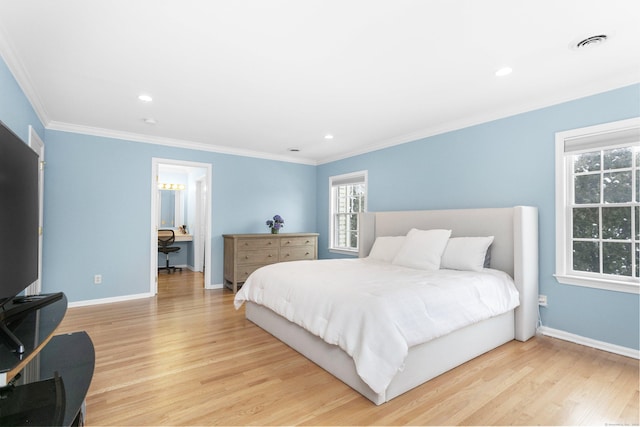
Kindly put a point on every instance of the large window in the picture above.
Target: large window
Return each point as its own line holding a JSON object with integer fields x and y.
{"x": 348, "y": 197}
{"x": 598, "y": 206}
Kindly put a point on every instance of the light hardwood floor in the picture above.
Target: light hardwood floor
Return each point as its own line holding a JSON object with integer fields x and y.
{"x": 186, "y": 357}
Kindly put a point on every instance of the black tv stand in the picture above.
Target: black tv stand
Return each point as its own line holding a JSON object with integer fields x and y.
{"x": 47, "y": 383}
{"x": 19, "y": 306}
{"x": 11, "y": 338}
{"x": 52, "y": 388}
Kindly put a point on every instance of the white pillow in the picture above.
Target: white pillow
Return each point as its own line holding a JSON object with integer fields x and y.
{"x": 466, "y": 253}
{"x": 385, "y": 248}
{"x": 422, "y": 249}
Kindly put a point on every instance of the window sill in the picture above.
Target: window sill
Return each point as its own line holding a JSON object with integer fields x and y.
{"x": 609, "y": 285}
{"x": 353, "y": 252}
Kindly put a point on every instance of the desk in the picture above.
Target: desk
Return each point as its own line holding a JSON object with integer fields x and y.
{"x": 183, "y": 258}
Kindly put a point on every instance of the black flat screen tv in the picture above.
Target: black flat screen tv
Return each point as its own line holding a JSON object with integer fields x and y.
{"x": 19, "y": 212}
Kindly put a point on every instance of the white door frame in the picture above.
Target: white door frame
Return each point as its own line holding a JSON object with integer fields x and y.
{"x": 36, "y": 144}
{"x": 153, "y": 244}
{"x": 199, "y": 261}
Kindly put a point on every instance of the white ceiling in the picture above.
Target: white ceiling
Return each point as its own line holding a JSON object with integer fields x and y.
{"x": 258, "y": 77}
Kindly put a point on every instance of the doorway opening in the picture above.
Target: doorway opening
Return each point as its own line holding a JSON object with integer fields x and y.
{"x": 181, "y": 201}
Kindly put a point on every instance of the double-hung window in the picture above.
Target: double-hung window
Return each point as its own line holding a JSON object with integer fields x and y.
{"x": 598, "y": 206}
{"x": 348, "y": 195}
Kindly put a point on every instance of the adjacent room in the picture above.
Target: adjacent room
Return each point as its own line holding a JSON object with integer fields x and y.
{"x": 288, "y": 212}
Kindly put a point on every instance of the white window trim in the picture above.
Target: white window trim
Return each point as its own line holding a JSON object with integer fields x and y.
{"x": 563, "y": 215}
{"x": 344, "y": 177}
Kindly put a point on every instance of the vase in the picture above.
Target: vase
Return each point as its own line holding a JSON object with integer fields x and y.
{"x": 275, "y": 231}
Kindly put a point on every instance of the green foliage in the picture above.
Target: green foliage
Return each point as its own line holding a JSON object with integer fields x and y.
{"x": 603, "y": 234}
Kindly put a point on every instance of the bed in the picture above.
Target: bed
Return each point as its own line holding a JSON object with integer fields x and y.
{"x": 514, "y": 251}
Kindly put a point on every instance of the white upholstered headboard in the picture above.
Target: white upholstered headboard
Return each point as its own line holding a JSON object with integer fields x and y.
{"x": 514, "y": 249}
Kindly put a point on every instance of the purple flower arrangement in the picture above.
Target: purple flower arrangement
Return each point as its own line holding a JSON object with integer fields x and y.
{"x": 275, "y": 224}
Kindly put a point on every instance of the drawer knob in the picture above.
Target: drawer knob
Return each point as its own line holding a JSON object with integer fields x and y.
{"x": 268, "y": 243}
{"x": 270, "y": 255}
{"x": 246, "y": 257}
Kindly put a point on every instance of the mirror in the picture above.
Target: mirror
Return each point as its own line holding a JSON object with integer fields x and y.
{"x": 171, "y": 212}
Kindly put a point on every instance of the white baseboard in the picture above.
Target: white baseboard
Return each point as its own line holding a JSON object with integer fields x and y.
{"x": 110, "y": 300}
{"x": 126, "y": 298}
{"x": 600, "y": 345}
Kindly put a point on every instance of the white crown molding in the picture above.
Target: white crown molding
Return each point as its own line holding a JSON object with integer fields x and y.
{"x": 20, "y": 74}
{"x": 600, "y": 345}
{"x": 24, "y": 82}
{"x": 513, "y": 110}
{"x": 177, "y": 143}
{"x": 527, "y": 106}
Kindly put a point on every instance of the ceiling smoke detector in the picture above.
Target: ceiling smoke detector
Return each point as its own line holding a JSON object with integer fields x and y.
{"x": 590, "y": 42}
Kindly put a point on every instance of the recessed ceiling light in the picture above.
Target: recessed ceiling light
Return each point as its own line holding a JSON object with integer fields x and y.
{"x": 504, "y": 71}
{"x": 150, "y": 121}
{"x": 328, "y": 136}
{"x": 145, "y": 98}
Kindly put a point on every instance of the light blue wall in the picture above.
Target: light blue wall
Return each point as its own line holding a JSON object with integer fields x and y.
{"x": 98, "y": 208}
{"x": 92, "y": 181}
{"x": 15, "y": 110}
{"x": 502, "y": 163}
{"x": 97, "y": 202}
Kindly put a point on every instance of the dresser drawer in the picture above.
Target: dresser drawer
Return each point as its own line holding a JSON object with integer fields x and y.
{"x": 296, "y": 253}
{"x": 243, "y": 272}
{"x": 297, "y": 241}
{"x": 254, "y": 244}
{"x": 265, "y": 256}
{"x": 245, "y": 253}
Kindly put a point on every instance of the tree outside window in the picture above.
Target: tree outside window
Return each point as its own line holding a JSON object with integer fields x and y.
{"x": 598, "y": 206}
{"x": 604, "y": 228}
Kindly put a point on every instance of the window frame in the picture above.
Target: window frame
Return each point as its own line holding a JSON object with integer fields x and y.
{"x": 334, "y": 182}
{"x": 622, "y": 133}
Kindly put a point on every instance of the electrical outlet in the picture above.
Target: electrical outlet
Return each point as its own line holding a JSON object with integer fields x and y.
{"x": 97, "y": 279}
{"x": 542, "y": 300}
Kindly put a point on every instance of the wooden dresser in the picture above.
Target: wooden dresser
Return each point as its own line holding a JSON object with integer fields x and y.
{"x": 245, "y": 253}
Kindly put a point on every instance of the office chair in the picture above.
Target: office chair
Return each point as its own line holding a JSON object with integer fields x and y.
{"x": 166, "y": 238}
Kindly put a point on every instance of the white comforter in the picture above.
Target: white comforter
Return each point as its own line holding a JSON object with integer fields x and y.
{"x": 376, "y": 311}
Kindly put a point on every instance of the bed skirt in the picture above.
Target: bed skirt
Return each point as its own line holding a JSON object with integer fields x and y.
{"x": 424, "y": 361}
